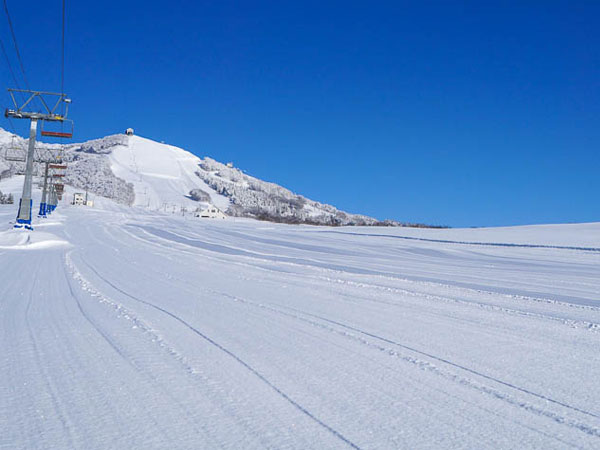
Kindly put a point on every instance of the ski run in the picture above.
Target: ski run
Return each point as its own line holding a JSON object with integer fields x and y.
{"x": 125, "y": 328}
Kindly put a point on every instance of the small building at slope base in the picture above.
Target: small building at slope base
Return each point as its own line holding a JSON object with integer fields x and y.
{"x": 210, "y": 212}
{"x": 79, "y": 200}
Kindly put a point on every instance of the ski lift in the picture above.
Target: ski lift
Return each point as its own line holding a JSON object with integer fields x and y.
{"x": 14, "y": 152}
{"x": 60, "y": 134}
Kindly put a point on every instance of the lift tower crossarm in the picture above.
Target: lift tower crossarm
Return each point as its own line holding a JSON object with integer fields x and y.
{"x": 50, "y": 113}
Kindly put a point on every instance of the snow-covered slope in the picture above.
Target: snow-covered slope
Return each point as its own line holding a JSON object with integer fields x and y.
{"x": 160, "y": 174}
{"x": 131, "y": 328}
{"x": 256, "y": 198}
{"x": 140, "y": 172}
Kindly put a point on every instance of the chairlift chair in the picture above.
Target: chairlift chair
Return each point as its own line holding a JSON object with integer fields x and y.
{"x": 60, "y": 134}
{"x": 59, "y": 188}
{"x": 15, "y": 152}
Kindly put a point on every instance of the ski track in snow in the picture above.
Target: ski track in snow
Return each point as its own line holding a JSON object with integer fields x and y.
{"x": 560, "y": 419}
{"x": 591, "y": 326}
{"x": 490, "y": 244}
{"x": 583, "y": 427}
{"x": 151, "y": 331}
{"x": 51, "y": 388}
{"x": 233, "y": 355}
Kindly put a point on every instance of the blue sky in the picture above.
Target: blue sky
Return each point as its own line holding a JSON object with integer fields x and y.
{"x": 454, "y": 113}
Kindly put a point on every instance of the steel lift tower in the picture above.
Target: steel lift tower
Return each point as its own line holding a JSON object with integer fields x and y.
{"x": 49, "y": 113}
{"x": 51, "y": 161}
{"x": 56, "y": 187}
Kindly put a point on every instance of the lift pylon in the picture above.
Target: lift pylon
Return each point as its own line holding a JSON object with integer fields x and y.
{"x": 51, "y": 103}
{"x": 44, "y": 202}
{"x": 52, "y": 187}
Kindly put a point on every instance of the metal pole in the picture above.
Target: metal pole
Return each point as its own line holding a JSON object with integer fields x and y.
{"x": 24, "y": 214}
{"x": 49, "y": 203}
{"x": 52, "y": 196}
{"x": 43, "y": 207}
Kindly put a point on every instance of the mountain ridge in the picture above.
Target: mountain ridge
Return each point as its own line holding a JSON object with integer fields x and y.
{"x": 137, "y": 171}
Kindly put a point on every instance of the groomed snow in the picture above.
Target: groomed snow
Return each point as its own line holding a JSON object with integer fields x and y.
{"x": 146, "y": 330}
{"x": 162, "y": 175}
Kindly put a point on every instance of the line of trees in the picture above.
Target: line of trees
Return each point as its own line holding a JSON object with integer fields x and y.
{"x": 6, "y": 199}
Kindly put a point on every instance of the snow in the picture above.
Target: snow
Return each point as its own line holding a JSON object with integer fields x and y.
{"x": 12, "y": 185}
{"x": 161, "y": 174}
{"x": 133, "y": 170}
{"x": 129, "y": 328}
{"x": 256, "y": 198}
{"x": 573, "y": 235}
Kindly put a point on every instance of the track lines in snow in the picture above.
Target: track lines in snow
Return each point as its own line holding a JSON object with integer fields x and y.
{"x": 485, "y": 244}
{"x": 587, "y": 325}
{"x": 104, "y": 336}
{"x": 71, "y": 274}
{"x": 51, "y": 389}
{"x": 459, "y": 366}
{"x": 590, "y": 430}
{"x": 182, "y": 268}
{"x": 208, "y": 388}
{"x": 315, "y": 264}
{"x": 460, "y": 298}
{"x": 350, "y": 331}
{"x": 212, "y": 342}
{"x": 498, "y": 302}
{"x": 122, "y": 311}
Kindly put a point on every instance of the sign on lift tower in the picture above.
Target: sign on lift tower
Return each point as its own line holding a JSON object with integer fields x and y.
{"x": 49, "y": 114}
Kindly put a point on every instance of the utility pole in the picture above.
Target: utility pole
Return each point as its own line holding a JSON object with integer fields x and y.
{"x": 51, "y": 115}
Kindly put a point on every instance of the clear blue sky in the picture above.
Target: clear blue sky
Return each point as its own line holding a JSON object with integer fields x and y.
{"x": 456, "y": 113}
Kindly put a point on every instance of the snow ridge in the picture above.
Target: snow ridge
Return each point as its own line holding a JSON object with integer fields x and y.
{"x": 135, "y": 171}
{"x": 269, "y": 201}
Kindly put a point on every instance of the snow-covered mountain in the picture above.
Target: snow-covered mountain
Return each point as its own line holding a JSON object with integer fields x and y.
{"x": 140, "y": 172}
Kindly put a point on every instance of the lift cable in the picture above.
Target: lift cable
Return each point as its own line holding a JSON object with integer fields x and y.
{"x": 12, "y": 32}
{"x": 12, "y": 72}
{"x": 14, "y": 38}
{"x": 62, "y": 61}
